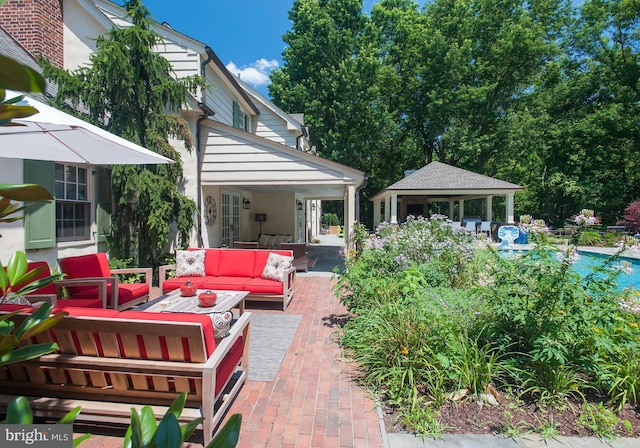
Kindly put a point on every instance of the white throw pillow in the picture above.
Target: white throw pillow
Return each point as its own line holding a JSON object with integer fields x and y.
{"x": 287, "y": 239}
{"x": 263, "y": 240}
{"x": 221, "y": 324}
{"x": 190, "y": 263}
{"x": 272, "y": 241}
{"x": 12, "y": 299}
{"x": 275, "y": 266}
{"x": 278, "y": 241}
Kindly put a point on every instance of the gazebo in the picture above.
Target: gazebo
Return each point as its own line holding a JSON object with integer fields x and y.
{"x": 441, "y": 183}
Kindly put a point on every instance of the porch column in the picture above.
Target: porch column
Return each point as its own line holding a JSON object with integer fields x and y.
{"x": 387, "y": 209}
{"x": 461, "y": 210}
{"x": 451, "y": 217}
{"x": 376, "y": 213}
{"x": 509, "y": 216}
{"x": 394, "y": 209}
{"x": 349, "y": 213}
{"x": 489, "y": 207}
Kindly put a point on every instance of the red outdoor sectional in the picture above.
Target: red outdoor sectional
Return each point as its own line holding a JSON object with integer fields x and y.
{"x": 237, "y": 270}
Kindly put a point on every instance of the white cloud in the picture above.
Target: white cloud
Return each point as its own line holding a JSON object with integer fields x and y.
{"x": 256, "y": 74}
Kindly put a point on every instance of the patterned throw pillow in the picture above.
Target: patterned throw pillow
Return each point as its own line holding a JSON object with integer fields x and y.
{"x": 221, "y": 324}
{"x": 275, "y": 266}
{"x": 190, "y": 263}
{"x": 12, "y": 299}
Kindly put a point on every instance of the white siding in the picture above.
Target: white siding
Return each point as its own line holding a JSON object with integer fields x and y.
{"x": 272, "y": 127}
{"x": 230, "y": 159}
{"x": 185, "y": 62}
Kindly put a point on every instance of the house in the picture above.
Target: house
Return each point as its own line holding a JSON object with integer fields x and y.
{"x": 251, "y": 158}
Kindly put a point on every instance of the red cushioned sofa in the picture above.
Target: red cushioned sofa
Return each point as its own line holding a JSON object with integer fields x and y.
{"x": 237, "y": 270}
{"x": 110, "y": 361}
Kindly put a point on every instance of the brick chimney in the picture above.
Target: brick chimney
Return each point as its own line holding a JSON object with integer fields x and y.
{"x": 37, "y": 25}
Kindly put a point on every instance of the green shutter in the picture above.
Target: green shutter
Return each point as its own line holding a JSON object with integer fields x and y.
{"x": 40, "y": 218}
{"x": 103, "y": 203}
{"x": 237, "y": 118}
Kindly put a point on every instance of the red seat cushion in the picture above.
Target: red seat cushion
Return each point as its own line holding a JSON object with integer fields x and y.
{"x": 126, "y": 293}
{"x": 236, "y": 262}
{"x": 10, "y": 308}
{"x": 175, "y": 283}
{"x": 86, "y": 312}
{"x": 226, "y": 283}
{"x": 46, "y": 272}
{"x": 263, "y": 286}
{"x": 82, "y": 303}
{"x": 83, "y": 266}
{"x": 211, "y": 262}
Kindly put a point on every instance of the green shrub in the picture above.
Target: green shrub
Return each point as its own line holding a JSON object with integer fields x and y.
{"x": 331, "y": 219}
{"x": 590, "y": 238}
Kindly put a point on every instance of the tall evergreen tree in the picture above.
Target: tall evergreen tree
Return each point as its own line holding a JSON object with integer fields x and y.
{"x": 127, "y": 90}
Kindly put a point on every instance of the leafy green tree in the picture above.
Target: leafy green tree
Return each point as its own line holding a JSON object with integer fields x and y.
{"x": 127, "y": 90}
{"x": 333, "y": 74}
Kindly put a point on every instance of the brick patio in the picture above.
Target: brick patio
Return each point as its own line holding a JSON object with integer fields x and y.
{"x": 312, "y": 402}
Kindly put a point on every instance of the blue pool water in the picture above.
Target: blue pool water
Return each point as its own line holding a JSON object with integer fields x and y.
{"x": 629, "y": 278}
{"x": 586, "y": 261}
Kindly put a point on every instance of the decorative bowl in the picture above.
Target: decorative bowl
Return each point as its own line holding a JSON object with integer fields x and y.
{"x": 207, "y": 299}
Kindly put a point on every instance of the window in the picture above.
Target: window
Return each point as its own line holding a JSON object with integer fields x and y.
{"x": 240, "y": 119}
{"x": 73, "y": 208}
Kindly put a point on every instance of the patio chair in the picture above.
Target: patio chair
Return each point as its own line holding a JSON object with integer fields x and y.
{"x": 471, "y": 227}
{"x": 300, "y": 257}
{"x": 485, "y": 227}
{"x": 90, "y": 273}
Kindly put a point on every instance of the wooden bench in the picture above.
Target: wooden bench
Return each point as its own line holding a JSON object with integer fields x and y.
{"x": 107, "y": 365}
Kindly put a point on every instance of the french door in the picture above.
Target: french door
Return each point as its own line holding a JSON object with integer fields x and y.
{"x": 230, "y": 215}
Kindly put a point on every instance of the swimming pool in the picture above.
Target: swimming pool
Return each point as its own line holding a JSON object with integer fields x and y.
{"x": 586, "y": 261}
{"x": 629, "y": 277}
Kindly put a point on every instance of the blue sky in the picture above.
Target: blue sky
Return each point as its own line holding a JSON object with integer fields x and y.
{"x": 246, "y": 35}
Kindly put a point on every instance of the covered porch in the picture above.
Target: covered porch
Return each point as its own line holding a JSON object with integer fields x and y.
{"x": 449, "y": 187}
{"x": 263, "y": 187}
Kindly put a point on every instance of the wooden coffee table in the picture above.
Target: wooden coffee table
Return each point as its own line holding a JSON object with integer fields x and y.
{"x": 173, "y": 302}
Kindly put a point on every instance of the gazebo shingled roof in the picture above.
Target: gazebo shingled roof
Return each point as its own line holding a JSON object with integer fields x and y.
{"x": 440, "y": 176}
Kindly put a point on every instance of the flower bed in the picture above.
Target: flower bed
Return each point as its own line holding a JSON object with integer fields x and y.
{"x": 439, "y": 320}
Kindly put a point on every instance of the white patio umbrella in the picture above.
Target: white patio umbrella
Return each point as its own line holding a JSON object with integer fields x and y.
{"x": 57, "y": 136}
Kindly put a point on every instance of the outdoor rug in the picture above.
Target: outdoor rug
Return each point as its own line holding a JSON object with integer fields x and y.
{"x": 269, "y": 341}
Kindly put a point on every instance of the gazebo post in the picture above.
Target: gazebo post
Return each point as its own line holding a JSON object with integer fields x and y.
{"x": 489, "y": 208}
{"x": 394, "y": 209}
{"x": 461, "y": 210}
{"x": 510, "y": 218}
{"x": 451, "y": 210}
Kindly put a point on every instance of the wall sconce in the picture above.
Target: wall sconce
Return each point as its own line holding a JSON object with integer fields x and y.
{"x": 299, "y": 204}
{"x": 246, "y": 203}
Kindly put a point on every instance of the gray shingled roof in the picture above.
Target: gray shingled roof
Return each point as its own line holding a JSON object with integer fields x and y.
{"x": 440, "y": 176}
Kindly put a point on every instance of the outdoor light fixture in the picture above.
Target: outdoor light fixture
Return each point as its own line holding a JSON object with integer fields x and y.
{"x": 246, "y": 203}
{"x": 261, "y": 217}
{"x": 299, "y": 204}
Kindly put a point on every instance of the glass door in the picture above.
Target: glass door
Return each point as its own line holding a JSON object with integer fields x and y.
{"x": 230, "y": 216}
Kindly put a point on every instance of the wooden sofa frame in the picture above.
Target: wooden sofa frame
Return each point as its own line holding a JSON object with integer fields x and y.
{"x": 107, "y": 385}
